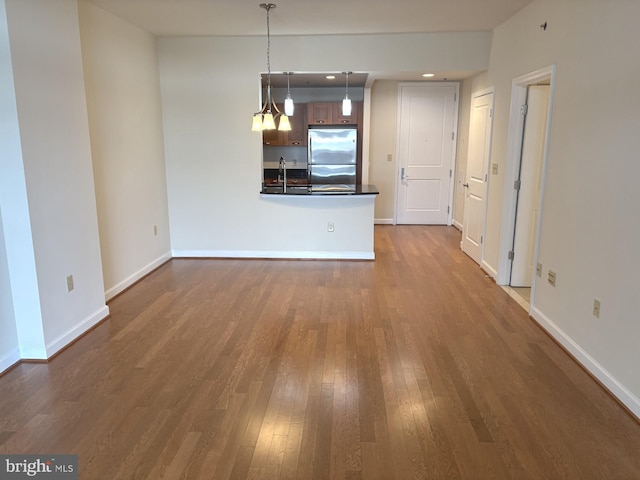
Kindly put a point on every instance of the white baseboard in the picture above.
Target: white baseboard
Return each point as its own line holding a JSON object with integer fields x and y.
{"x": 517, "y": 298}
{"x": 9, "y": 359}
{"x": 383, "y": 221}
{"x": 304, "y": 255}
{"x": 134, "y": 277}
{"x": 588, "y": 362}
{"x": 457, "y": 224}
{"x": 73, "y": 333}
{"x": 33, "y": 353}
{"x": 493, "y": 273}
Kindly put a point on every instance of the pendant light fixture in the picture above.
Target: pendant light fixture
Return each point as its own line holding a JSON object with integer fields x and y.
{"x": 346, "y": 102}
{"x": 265, "y": 118}
{"x": 288, "y": 101}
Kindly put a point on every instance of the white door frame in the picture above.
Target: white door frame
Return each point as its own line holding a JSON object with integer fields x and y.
{"x": 453, "y": 153}
{"x": 512, "y": 169}
{"x": 482, "y": 93}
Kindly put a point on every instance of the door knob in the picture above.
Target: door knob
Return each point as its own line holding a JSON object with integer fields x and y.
{"x": 465, "y": 185}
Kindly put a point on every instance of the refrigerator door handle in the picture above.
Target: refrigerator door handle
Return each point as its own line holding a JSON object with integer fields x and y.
{"x": 309, "y": 157}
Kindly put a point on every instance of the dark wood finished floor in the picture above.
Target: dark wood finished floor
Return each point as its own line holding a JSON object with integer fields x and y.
{"x": 412, "y": 366}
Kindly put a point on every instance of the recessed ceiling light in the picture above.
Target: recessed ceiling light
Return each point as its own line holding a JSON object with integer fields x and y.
{"x": 428, "y": 75}
{"x": 330, "y": 77}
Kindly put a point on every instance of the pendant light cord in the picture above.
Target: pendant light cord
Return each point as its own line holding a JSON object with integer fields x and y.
{"x": 268, "y": 7}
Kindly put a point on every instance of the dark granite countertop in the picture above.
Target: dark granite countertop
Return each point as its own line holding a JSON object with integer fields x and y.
{"x": 316, "y": 190}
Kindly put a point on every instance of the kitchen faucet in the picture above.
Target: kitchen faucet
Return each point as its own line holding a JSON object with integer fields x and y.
{"x": 283, "y": 168}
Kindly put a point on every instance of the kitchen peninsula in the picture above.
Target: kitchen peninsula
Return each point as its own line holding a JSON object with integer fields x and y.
{"x": 319, "y": 190}
{"x": 312, "y": 183}
{"x": 329, "y": 224}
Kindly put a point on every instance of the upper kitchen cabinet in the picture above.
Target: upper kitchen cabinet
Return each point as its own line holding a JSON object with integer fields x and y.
{"x": 298, "y": 133}
{"x": 272, "y": 137}
{"x": 297, "y": 136}
{"x": 330, "y": 113}
{"x": 353, "y": 119}
{"x": 320, "y": 113}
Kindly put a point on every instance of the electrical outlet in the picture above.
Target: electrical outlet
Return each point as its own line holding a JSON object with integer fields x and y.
{"x": 596, "y": 308}
{"x": 494, "y": 168}
{"x": 155, "y": 230}
{"x": 539, "y": 270}
{"x": 330, "y": 227}
{"x": 389, "y": 157}
{"x": 551, "y": 278}
{"x": 69, "y": 283}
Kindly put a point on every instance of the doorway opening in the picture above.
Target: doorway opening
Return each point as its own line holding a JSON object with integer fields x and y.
{"x": 529, "y": 128}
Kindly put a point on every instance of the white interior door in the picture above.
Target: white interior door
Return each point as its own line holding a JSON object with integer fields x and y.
{"x": 475, "y": 186}
{"x": 426, "y": 149}
{"x": 528, "y": 209}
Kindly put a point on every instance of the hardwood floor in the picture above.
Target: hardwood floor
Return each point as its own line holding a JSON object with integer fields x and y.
{"x": 412, "y": 366}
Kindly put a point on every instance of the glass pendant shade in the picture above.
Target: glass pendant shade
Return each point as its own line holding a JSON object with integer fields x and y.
{"x": 257, "y": 123}
{"x": 288, "y": 105}
{"x": 346, "y": 106}
{"x": 285, "y": 125}
{"x": 267, "y": 122}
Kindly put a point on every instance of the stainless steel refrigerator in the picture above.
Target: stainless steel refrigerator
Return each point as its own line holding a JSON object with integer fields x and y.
{"x": 332, "y": 155}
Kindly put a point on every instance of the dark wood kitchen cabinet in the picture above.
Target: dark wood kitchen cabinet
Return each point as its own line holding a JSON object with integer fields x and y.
{"x": 353, "y": 119}
{"x": 320, "y": 113}
{"x": 297, "y": 136}
{"x": 330, "y": 113}
{"x": 298, "y": 133}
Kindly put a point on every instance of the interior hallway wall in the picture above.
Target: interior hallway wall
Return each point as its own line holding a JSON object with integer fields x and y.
{"x": 9, "y": 347}
{"x": 383, "y": 133}
{"x": 18, "y": 281}
{"x": 49, "y": 161}
{"x": 125, "y": 121}
{"x": 590, "y": 226}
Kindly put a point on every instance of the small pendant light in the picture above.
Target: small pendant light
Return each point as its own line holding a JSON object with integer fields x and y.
{"x": 285, "y": 124}
{"x": 346, "y": 102}
{"x": 288, "y": 102}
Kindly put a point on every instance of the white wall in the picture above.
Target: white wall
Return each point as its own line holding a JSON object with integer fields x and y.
{"x": 383, "y": 131}
{"x": 21, "y": 284}
{"x": 125, "y": 121}
{"x": 210, "y": 88}
{"x": 9, "y": 347}
{"x": 590, "y": 218}
{"x": 13, "y": 202}
{"x": 56, "y": 158}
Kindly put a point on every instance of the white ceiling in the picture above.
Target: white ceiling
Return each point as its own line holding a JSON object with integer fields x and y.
{"x": 318, "y": 17}
{"x": 312, "y": 17}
